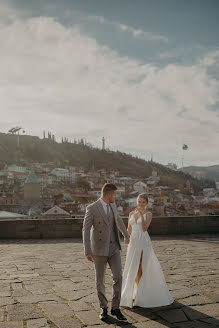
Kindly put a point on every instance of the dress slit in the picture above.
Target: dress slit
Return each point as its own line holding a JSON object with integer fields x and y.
{"x": 140, "y": 267}
{"x": 135, "y": 284}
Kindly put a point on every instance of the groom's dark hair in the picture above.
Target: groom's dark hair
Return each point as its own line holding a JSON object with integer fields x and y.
{"x": 107, "y": 187}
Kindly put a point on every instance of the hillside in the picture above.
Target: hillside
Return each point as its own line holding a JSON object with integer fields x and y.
{"x": 207, "y": 172}
{"x": 34, "y": 149}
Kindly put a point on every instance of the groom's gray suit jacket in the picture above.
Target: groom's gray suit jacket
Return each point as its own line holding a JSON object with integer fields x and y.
{"x": 96, "y": 229}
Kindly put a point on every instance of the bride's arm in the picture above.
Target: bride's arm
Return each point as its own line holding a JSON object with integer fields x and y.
{"x": 147, "y": 222}
{"x": 129, "y": 224}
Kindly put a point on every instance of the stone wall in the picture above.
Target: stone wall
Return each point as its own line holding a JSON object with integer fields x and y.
{"x": 71, "y": 227}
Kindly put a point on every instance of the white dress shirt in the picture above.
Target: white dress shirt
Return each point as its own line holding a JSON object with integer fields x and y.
{"x": 105, "y": 206}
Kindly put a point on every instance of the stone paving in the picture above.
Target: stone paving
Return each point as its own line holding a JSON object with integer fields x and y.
{"x": 50, "y": 284}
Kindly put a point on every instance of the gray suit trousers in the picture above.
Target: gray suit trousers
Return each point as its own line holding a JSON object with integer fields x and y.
{"x": 100, "y": 263}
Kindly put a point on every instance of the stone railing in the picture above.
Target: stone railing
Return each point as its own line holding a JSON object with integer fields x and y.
{"x": 54, "y": 227}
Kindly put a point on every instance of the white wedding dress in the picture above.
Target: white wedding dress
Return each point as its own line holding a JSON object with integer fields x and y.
{"x": 152, "y": 290}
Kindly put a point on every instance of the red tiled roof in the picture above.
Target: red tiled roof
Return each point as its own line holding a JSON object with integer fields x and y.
{"x": 81, "y": 195}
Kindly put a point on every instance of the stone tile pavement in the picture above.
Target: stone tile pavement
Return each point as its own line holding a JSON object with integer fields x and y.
{"x": 50, "y": 284}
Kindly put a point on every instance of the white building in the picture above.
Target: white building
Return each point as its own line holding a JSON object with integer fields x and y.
{"x": 64, "y": 174}
{"x": 17, "y": 169}
{"x": 125, "y": 180}
{"x": 153, "y": 179}
{"x": 131, "y": 201}
{"x": 4, "y": 175}
{"x": 96, "y": 193}
{"x": 150, "y": 203}
{"x": 140, "y": 187}
{"x": 209, "y": 192}
{"x": 56, "y": 211}
{"x": 61, "y": 173}
{"x": 151, "y": 183}
{"x": 120, "y": 209}
{"x": 120, "y": 191}
{"x": 9, "y": 215}
{"x": 197, "y": 211}
{"x": 92, "y": 184}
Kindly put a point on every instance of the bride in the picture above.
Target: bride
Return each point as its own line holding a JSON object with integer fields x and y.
{"x": 143, "y": 283}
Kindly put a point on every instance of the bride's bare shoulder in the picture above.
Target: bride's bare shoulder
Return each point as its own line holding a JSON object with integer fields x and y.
{"x": 130, "y": 214}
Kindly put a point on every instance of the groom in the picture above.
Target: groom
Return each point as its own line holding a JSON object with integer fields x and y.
{"x": 102, "y": 245}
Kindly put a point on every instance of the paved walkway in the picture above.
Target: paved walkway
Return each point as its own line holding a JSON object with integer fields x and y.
{"x": 50, "y": 284}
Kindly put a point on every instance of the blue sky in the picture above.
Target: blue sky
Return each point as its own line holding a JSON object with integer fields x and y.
{"x": 142, "y": 73}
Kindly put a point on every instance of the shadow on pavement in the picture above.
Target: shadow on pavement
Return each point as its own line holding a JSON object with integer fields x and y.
{"x": 112, "y": 321}
{"x": 176, "y": 315}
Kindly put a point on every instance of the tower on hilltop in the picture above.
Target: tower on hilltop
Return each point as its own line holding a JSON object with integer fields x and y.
{"x": 103, "y": 143}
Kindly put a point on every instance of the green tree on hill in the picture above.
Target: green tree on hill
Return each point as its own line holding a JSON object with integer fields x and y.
{"x": 82, "y": 183}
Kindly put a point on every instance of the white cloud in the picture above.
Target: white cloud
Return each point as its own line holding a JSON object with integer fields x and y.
{"x": 8, "y": 13}
{"x": 142, "y": 34}
{"x": 136, "y": 33}
{"x": 57, "y": 78}
{"x": 212, "y": 58}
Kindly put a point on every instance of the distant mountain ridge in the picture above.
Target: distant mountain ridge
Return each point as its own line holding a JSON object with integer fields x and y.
{"x": 207, "y": 172}
{"x": 47, "y": 150}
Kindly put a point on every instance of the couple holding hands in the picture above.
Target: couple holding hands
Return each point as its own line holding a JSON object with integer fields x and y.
{"x": 142, "y": 282}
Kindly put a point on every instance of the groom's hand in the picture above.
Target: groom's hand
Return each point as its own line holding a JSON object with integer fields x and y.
{"x": 90, "y": 257}
{"x": 126, "y": 241}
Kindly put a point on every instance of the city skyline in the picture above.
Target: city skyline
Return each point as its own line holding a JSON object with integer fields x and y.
{"x": 143, "y": 75}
